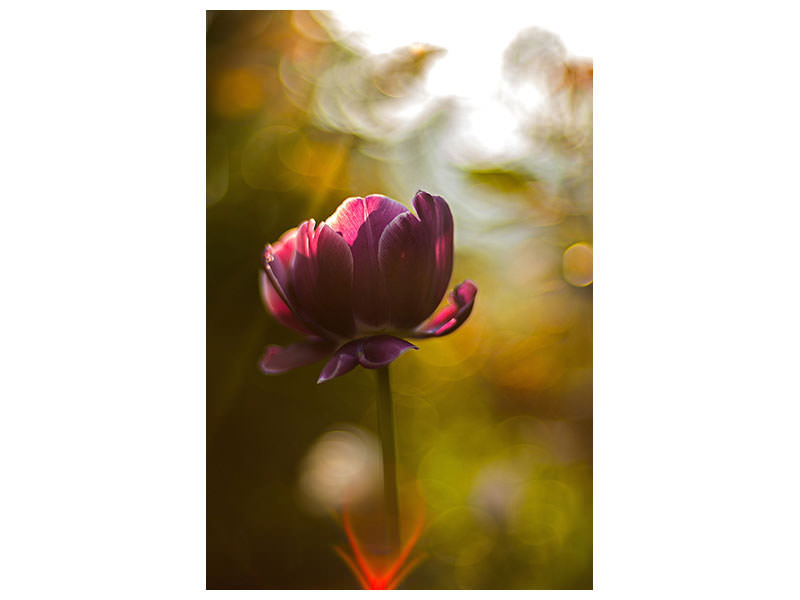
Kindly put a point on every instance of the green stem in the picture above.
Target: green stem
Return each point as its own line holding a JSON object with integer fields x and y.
{"x": 389, "y": 450}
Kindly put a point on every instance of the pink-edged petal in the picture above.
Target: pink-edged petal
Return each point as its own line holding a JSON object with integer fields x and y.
{"x": 343, "y": 360}
{"x": 321, "y": 279}
{"x": 361, "y": 221}
{"x": 375, "y": 210}
{"x": 451, "y": 317}
{"x": 378, "y": 351}
{"x": 279, "y": 359}
{"x": 370, "y": 352}
{"x": 416, "y": 260}
{"x": 279, "y": 256}
{"x": 278, "y": 308}
{"x": 283, "y": 249}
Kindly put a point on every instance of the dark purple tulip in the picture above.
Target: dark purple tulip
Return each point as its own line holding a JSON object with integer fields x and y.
{"x": 357, "y": 283}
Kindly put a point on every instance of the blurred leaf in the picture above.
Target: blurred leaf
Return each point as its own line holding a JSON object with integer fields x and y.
{"x": 503, "y": 180}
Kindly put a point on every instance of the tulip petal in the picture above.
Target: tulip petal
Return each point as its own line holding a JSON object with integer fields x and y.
{"x": 435, "y": 214}
{"x": 416, "y": 260}
{"x": 361, "y": 222}
{"x": 375, "y": 211}
{"x": 321, "y": 279}
{"x": 280, "y": 256}
{"x": 343, "y": 360}
{"x": 451, "y": 317}
{"x": 378, "y": 351}
{"x": 370, "y": 352}
{"x": 279, "y": 359}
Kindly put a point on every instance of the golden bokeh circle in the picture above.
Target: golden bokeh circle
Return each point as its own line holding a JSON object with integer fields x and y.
{"x": 578, "y": 264}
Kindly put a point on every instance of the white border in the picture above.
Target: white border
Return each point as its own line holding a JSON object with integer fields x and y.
{"x": 103, "y": 238}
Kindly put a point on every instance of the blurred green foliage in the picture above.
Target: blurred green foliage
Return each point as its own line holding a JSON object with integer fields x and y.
{"x": 495, "y": 421}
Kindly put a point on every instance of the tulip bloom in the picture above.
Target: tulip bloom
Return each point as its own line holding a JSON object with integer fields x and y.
{"x": 359, "y": 282}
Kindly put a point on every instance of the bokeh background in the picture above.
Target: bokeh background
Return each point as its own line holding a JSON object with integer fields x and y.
{"x": 495, "y": 421}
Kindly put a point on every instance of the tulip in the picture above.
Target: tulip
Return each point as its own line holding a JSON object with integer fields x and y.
{"x": 361, "y": 281}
